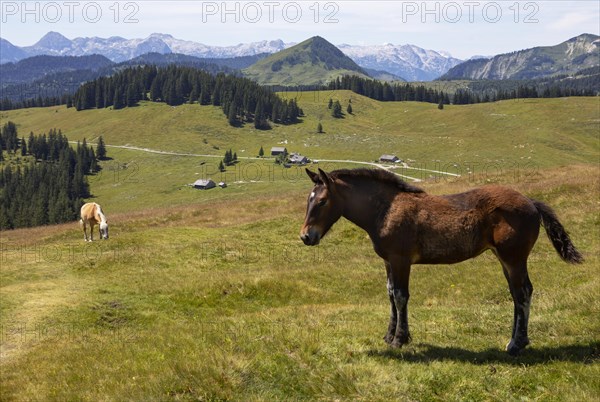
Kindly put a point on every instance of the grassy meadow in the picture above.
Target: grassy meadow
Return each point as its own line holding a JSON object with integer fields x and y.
{"x": 210, "y": 295}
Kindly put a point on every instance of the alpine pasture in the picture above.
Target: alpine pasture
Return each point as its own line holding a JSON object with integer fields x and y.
{"x": 210, "y": 295}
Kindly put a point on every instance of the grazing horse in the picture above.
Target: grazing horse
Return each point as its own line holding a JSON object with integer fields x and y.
{"x": 409, "y": 226}
{"x": 91, "y": 214}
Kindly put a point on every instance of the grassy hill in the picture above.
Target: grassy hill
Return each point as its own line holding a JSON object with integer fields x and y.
{"x": 312, "y": 62}
{"x": 480, "y": 141}
{"x": 210, "y": 295}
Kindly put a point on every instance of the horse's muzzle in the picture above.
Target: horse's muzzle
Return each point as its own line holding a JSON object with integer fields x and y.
{"x": 310, "y": 237}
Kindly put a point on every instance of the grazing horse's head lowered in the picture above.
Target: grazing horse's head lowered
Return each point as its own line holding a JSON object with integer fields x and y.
{"x": 104, "y": 230}
{"x": 409, "y": 226}
{"x": 323, "y": 208}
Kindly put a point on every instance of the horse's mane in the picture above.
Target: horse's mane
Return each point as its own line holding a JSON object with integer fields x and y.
{"x": 378, "y": 175}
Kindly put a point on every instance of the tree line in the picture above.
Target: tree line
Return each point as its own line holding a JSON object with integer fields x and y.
{"x": 242, "y": 100}
{"x": 388, "y": 92}
{"x": 39, "y": 101}
{"x": 50, "y": 188}
{"x": 477, "y": 91}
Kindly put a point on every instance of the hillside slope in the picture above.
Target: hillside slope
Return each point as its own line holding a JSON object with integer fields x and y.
{"x": 568, "y": 57}
{"x": 314, "y": 61}
{"x": 545, "y": 132}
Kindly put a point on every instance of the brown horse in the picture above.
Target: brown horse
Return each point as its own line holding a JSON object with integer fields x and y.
{"x": 409, "y": 226}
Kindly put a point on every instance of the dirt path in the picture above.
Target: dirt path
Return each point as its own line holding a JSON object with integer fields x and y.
{"x": 378, "y": 165}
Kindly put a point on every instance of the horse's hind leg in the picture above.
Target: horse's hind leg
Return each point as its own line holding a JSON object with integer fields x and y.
{"x": 521, "y": 290}
{"x": 389, "y": 336}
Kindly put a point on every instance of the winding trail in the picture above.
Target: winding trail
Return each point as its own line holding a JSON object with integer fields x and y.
{"x": 378, "y": 165}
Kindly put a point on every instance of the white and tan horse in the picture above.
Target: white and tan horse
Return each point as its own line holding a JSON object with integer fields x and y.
{"x": 91, "y": 214}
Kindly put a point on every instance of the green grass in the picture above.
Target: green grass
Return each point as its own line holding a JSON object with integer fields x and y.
{"x": 209, "y": 295}
{"x": 219, "y": 300}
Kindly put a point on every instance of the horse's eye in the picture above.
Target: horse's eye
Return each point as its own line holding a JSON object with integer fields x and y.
{"x": 322, "y": 202}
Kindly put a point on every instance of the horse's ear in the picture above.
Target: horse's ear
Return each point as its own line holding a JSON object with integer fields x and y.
{"x": 325, "y": 178}
{"x": 313, "y": 176}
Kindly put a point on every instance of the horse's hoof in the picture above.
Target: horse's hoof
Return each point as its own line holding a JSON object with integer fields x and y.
{"x": 515, "y": 348}
{"x": 388, "y": 338}
{"x": 397, "y": 342}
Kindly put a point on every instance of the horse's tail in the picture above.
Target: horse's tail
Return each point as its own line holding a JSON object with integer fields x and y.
{"x": 557, "y": 234}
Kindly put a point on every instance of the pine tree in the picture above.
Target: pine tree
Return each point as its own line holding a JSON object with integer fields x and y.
{"x": 337, "y": 110}
{"x": 330, "y": 104}
{"x": 320, "y": 128}
{"x": 30, "y": 142}
{"x": 232, "y": 115}
{"x": 23, "y": 147}
{"x": 221, "y": 166}
{"x": 118, "y": 100}
{"x": 349, "y": 108}
{"x": 101, "y": 149}
{"x": 259, "y": 117}
{"x": 261, "y": 152}
{"x": 204, "y": 96}
{"x": 131, "y": 96}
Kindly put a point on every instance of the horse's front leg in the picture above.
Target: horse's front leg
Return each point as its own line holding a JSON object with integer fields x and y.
{"x": 400, "y": 273}
{"x": 389, "y": 336}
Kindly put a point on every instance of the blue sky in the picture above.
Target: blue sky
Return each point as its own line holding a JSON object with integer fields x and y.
{"x": 463, "y": 28}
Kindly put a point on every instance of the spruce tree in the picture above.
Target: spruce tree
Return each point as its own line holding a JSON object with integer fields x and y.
{"x": 261, "y": 152}
{"x": 259, "y": 118}
{"x": 349, "y": 108}
{"x": 23, "y": 147}
{"x": 336, "y": 110}
{"x": 30, "y": 142}
{"x": 221, "y": 166}
{"x": 118, "y": 100}
{"x": 232, "y": 115}
{"x": 320, "y": 128}
{"x": 101, "y": 149}
{"x": 94, "y": 164}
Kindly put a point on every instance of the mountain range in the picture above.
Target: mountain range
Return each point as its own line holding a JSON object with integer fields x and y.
{"x": 573, "y": 64}
{"x": 406, "y": 61}
{"x": 576, "y": 54}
